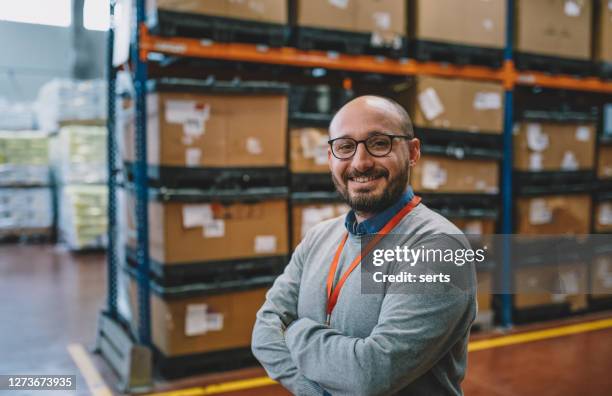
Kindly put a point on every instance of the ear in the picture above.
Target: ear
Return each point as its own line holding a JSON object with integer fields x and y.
{"x": 414, "y": 146}
{"x": 329, "y": 158}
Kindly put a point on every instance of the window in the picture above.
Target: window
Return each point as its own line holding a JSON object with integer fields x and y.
{"x": 41, "y": 12}
{"x": 96, "y": 14}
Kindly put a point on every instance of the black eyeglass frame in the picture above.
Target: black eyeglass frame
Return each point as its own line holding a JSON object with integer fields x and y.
{"x": 392, "y": 136}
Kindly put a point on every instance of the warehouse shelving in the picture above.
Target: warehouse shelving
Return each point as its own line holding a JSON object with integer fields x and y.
{"x": 146, "y": 44}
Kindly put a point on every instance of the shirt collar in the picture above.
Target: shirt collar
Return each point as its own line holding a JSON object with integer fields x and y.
{"x": 375, "y": 223}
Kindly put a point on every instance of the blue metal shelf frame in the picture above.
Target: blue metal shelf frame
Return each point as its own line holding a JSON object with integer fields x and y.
{"x": 111, "y": 148}
{"x": 141, "y": 180}
{"x": 506, "y": 187}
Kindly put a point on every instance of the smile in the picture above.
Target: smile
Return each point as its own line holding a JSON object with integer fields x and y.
{"x": 362, "y": 179}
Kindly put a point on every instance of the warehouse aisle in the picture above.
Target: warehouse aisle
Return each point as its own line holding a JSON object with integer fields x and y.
{"x": 51, "y": 299}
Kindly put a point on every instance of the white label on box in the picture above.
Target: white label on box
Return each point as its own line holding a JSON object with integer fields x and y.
{"x": 430, "y": 103}
{"x": 572, "y": 8}
{"x": 253, "y": 146}
{"x": 191, "y": 114}
{"x": 604, "y": 216}
{"x": 310, "y": 217}
{"x": 214, "y": 321}
{"x": 339, "y": 3}
{"x": 539, "y": 212}
{"x": 558, "y": 297}
{"x": 382, "y": 20}
{"x": 433, "y": 176}
{"x": 488, "y": 24}
{"x": 583, "y": 134}
{"x": 265, "y": 244}
{"x": 473, "y": 228}
{"x": 196, "y": 215}
{"x": 535, "y": 161}
{"x": 570, "y": 282}
{"x": 610, "y": 5}
{"x": 193, "y": 156}
{"x": 487, "y": 101}
{"x": 214, "y": 229}
{"x": 536, "y": 139}
{"x": 257, "y": 6}
{"x": 320, "y": 155}
{"x": 196, "y": 320}
{"x": 569, "y": 162}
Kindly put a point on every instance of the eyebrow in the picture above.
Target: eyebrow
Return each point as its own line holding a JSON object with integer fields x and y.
{"x": 371, "y": 133}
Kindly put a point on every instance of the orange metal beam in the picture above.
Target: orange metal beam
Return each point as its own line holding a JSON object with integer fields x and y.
{"x": 361, "y": 63}
{"x": 294, "y": 57}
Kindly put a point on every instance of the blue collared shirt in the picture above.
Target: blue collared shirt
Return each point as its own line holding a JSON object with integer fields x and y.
{"x": 375, "y": 223}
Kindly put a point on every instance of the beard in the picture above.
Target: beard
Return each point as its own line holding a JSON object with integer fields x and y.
{"x": 370, "y": 202}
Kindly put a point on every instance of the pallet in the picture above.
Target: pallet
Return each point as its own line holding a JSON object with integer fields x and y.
{"x": 476, "y": 206}
{"x": 354, "y": 43}
{"x": 542, "y": 313}
{"x": 460, "y": 144}
{"x": 219, "y": 29}
{"x": 600, "y": 303}
{"x": 27, "y": 235}
{"x": 554, "y": 65}
{"x": 172, "y": 367}
{"x": 213, "y": 179}
{"x": 605, "y": 70}
{"x": 215, "y": 274}
{"x": 312, "y": 182}
{"x": 428, "y": 51}
{"x": 483, "y": 321}
{"x": 553, "y": 182}
{"x": 555, "y": 105}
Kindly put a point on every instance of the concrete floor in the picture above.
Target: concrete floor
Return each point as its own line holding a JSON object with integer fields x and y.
{"x": 50, "y": 299}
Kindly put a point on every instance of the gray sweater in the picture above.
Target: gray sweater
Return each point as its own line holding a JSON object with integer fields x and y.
{"x": 376, "y": 344}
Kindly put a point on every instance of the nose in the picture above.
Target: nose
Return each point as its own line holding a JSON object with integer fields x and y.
{"x": 362, "y": 160}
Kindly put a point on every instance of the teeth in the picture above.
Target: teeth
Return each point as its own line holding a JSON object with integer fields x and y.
{"x": 363, "y": 179}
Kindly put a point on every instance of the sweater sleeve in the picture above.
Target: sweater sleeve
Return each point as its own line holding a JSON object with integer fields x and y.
{"x": 268, "y": 342}
{"x": 414, "y": 331}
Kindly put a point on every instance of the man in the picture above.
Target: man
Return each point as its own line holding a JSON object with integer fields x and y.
{"x": 317, "y": 333}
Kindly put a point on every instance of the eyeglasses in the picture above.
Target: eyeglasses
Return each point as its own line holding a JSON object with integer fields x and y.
{"x": 377, "y": 145}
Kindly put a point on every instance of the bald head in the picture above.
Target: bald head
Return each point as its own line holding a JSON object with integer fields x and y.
{"x": 381, "y": 109}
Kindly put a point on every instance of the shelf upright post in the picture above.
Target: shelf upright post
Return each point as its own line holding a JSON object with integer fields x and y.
{"x": 506, "y": 190}
{"x": 111, "y": 151}
{"x": 140, "y": 178}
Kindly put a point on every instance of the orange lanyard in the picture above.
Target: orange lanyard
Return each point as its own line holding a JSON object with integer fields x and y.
{"x": 334, "y": 292}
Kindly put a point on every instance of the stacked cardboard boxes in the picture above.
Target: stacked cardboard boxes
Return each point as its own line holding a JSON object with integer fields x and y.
{"x": 557, "y": 28}
{"x": 448, "y": 175}
{"x": 205, "y": 236}
{"x": 270, "y": 11}
{"x": 603, "y": 38}
{"x": 474, "y": 23}
{"x": 26, "y": 202}
{"x": 83, "y": 216}
{"x": 554, "y": 147}
{"x": 385, "y": 20}
{"x": 307, "y": 215}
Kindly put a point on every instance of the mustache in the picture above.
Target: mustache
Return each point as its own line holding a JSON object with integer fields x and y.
{"x": 373, "y": 172}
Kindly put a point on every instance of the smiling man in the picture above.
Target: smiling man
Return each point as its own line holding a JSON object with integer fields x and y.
{"x": 318, "y": 333}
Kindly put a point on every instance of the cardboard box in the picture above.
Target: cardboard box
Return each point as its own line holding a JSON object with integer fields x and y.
{"x": 554, "y": 146}
{"x": 475, "y": 226}
{"x": 560, "y": 28}
{"x": 214, "y": 130}
{"x": 485, "y": 290}
{"x": 603, "y": 217}
{"x": 468, "y": 22}
{"x": 449, "y": 175}
{"x": 604, "y": 162}
{"x": 270, "y": 11}
{"x": 536, "y": 286}
{"x": 307, "y": 215}
{"x": 601, "y": 277}
{"x": 308, "y": 147}
{"x": 603, "y": 32}
{"x": 386, "y": 18}
{"x": 454, "y": 104}
{"x": 553, "y": 214}
{"x": 183, "y": 233}
{"x": 201, "y": 324}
